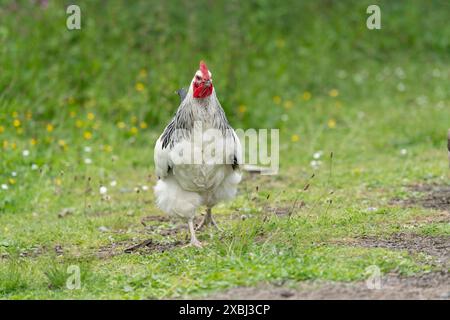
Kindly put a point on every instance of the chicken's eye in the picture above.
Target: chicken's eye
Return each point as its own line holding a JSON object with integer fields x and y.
{"x": 198, "y": 78}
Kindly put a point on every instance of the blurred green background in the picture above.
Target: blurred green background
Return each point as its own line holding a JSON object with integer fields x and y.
{"x": 310, "y": 68}
{"x": 256, "y": 49}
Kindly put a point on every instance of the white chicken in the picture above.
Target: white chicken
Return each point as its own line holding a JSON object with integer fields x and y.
{"x": 197, "y": 157}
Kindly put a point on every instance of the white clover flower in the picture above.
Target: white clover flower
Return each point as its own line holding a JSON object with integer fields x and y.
{"x": 34, "y": 166}
{"x": 113, "y": 183}
{"x": 87, "y": 149}
{"x": 14, "y": 174}
{"x": 25, "y": 153}
{"x": 103, "y": 190}
{"x": 144, "y": 188}
{"x": 284, "y": 117}
{"x": 4, "y": 186}
{"x": 317, "y": 154}
{"x": 87, "y": 161}
{"x": 403, "y": 152}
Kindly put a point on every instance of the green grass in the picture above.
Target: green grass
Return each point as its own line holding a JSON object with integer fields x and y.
{"x": 310, "y": 69}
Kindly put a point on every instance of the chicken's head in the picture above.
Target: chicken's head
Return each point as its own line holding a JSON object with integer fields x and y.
{"x": 202, "y": 82}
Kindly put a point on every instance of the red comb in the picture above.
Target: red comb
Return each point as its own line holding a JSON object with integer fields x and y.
{"x": 204, "y": 70}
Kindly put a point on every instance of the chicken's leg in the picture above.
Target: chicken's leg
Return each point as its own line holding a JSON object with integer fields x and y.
{"x": 208, "y": 220}
{"x": 214, "y": 223}
{"x": 194, "y": 240}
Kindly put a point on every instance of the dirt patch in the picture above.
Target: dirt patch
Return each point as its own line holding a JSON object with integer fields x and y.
{"x": 33, "y": 252}
{"x": 432, "y": 196}
{"x": 150, "y": 246}
{"x": 435, "y": 285}
{"x": 436, "y": 246}
{"x": 113, "y": 249}
{"x": 153, "y": 218}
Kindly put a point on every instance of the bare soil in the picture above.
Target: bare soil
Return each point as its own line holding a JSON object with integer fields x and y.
{"x": 432, "y": 196}
{"x": 438, "y": 247}
{"x": 435, "y": 285}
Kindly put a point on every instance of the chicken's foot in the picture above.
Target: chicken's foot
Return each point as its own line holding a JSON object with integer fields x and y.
{"x": 194, "y": 241}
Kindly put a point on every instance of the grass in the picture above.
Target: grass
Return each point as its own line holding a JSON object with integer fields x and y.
{"x": 87, "y": 106}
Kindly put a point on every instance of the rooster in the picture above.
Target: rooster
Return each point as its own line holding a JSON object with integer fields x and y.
{"x": 184, "y": 184}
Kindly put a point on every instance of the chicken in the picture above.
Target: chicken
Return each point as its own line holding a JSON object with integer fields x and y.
{"x": 197, "y": 157}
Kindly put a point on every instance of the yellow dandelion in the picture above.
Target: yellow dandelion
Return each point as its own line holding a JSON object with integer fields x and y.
{"x": 50, "y": 127}
{"x": 33, "y": 141}
{"x": 242, "y": 109}
{"x": 2, "y": 129}
{"x": 12, "y": 181}
{"x": 58, "y": 181}
{"x": 13, "y": 146}
{"x": 134, "y": 130}
{"x": 139, "y": 87}
{"x": 276, "y": 99}
{"x": 333, "y": 93}
{"x": 295, "y": 138}
{"x": 5, "y": 144}
{"x": 79, "y": 124}
{"x": 121, "y": 125}
{"x": 306, "y": 95}
{"x": 90, "y": 116}
{"x": 72, "y": 114}
{"x": 29, "y": 115}
{"x": 134, "y": 119}
{"x": 16, "y": 123}
{"x": 143, "y": 125}
{"x": 331, "y": 123}
{"x": 61, "y": 143}
{"x": 87, "y": 135}
{"x": 107, "y": 148}
{"x": 142, "y": 73}
{"x": 288, "y": 104}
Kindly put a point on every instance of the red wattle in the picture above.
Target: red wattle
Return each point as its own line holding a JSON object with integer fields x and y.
{"x": 201, "y": 91}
